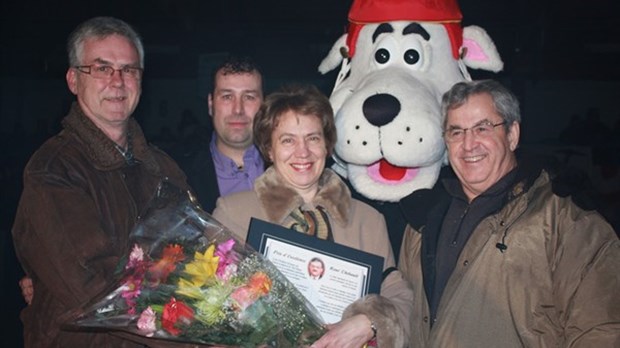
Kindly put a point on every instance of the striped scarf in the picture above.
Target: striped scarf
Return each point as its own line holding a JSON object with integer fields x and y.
{"x": 313, "y": 222}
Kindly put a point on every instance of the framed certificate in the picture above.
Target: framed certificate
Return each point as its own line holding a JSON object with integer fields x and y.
{"x": 330, "y": 275}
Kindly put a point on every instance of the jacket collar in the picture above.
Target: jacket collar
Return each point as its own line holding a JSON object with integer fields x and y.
{"x": 280, "y": 199}
{"x": 417, "y": 206}
{"x": 100, "y": 149}
{"x": 425, "y": 210}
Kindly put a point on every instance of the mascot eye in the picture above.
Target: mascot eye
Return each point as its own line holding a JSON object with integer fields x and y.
{"x": 411, "y": 56}
{"x": 382, "y": 56}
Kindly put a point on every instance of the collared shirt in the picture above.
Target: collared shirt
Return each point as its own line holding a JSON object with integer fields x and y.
{"x": 231, "y": 178}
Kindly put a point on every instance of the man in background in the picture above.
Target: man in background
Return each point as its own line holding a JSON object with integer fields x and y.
{"x": 228, "y": 162}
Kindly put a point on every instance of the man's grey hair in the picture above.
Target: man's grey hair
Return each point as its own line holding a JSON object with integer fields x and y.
{"x": 505, "y": 102}
{"x": 100, "y": 28}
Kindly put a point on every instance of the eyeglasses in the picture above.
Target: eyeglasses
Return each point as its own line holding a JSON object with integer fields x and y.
{"x": 106, "y": 71}
{"x": 481, "y": 130}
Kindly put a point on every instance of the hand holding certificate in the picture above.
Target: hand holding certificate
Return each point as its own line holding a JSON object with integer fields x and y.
{"x": 330, "y": 275}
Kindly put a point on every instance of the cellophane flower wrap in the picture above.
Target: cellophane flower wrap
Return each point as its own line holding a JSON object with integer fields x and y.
{"x": 187, "y": 278}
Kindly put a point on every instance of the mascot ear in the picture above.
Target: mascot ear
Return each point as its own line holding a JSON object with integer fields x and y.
{"x": 334, "y": 57}
{"x": 479, "y": 51}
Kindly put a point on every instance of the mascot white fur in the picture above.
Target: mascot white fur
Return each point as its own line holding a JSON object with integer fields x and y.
{"x": 397, "y": 59}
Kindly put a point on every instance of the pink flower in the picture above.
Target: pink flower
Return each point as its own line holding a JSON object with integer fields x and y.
{"x": 136, "y": 268}
{"x": 226, "y": 258}
{"x": 146, "y": 322}
{"x": 228, "y": 272}
{"x": 244, "y": 297}
{"x": 135, "y": 257}
{"x": 131, "y": 292}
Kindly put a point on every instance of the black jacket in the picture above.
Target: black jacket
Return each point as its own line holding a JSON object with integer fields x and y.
{"x": 197, "y": 163}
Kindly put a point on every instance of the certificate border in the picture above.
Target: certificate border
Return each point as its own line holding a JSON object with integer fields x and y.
{"x": 260, "y": 231}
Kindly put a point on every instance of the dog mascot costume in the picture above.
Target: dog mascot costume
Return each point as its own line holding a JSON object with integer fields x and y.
{"x": 397, "y": 59}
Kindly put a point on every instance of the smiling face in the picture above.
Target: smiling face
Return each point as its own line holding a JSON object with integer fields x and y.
{"x": 481, "y": 161}
{"x": 315, "y": 269}
{"x": 108, "y": 102}
{"x": 298, "y": 152}
{"x": 387, "y": 109}
{"x": 233, "y": 104}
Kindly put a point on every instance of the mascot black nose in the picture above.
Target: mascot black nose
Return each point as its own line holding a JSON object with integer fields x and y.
{"x": 381, "y": 109}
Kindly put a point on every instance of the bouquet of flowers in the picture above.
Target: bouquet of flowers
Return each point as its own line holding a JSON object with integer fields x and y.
{"x": 188, "y": 279}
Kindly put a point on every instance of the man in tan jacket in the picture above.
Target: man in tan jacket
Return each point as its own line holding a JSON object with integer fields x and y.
{"x": 496, "y": 258}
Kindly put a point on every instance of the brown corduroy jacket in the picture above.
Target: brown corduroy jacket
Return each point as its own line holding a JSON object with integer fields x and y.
{"x": 80, "y": 202}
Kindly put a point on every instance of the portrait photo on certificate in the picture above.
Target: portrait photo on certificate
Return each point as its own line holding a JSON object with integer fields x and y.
{"x": 330, "y": 275}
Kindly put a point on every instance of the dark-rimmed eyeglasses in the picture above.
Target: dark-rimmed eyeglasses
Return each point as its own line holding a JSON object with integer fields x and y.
{"x": 100, "y": 71}
{"x": 480, "y": 130}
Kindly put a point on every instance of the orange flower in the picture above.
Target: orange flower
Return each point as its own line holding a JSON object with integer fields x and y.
{"x": 172, "y": 255}
{"x": 260, "y": 283}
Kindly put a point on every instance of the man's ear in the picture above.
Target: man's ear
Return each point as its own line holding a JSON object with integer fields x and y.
{"x": 71, "y": 77}
{"x": 514, "y": 132}
{"x": 210, "y": 104}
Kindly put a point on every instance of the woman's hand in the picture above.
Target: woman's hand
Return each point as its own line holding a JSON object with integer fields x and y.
{"x": 352, "y": 332}
{"x": 27, "y": 289}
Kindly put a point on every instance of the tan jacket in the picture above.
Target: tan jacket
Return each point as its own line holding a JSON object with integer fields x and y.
{"x": 354, "y": 224}
{"x": 556, "y": 285}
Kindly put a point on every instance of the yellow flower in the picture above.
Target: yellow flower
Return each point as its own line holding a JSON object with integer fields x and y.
{"x": 188, "y": 289}
{"x": 203, "y": 267}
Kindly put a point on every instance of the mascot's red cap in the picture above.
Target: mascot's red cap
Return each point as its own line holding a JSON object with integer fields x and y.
{"x": 379, "y": 11}
{"x": 373, "y": 11}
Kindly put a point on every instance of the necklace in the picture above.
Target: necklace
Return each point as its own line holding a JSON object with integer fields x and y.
{"x": 127, "y": 153}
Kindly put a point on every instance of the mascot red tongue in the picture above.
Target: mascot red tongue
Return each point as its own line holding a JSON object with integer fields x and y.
{"x": 397, "y": 59}
{"x": 390, "y": 172}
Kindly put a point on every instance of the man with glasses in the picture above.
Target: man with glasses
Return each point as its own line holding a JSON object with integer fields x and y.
{"x": 84, "y": 188}
{"x": 495, "y": 256}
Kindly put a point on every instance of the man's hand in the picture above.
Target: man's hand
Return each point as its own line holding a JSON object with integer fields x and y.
{"x": 27, "y": 290}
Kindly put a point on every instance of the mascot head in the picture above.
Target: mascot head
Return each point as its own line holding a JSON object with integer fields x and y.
{"x": 397, "y": 59}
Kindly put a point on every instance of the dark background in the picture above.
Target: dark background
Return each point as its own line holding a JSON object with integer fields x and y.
{"x": 561, "y": 58}
{"x": 568, "y": 39}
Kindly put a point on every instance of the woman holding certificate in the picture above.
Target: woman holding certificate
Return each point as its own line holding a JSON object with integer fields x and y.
{"x": 295, "y": 132}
